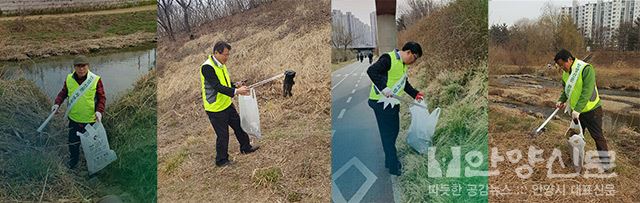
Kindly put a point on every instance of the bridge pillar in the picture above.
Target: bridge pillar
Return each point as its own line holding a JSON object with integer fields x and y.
{"x": 387, "y": 38}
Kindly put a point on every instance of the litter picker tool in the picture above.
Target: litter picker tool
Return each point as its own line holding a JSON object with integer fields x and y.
{"x": 540, "y": 129}
{"x": 409, "y": 101}
{"x": 266, "y": 81}
{"x": 288, "y": 82}
{"x": 271, "y": 79}
{"x": 46, "y": 121}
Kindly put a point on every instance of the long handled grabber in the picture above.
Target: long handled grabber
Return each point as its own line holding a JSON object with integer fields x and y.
{"x": 408, "y": 101}
{"x": 288, "y": 82}
{"x": 541, "y": 129}
{"x": 46, "y": 121}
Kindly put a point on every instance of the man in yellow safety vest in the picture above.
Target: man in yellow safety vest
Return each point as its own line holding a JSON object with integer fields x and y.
{"x": 217, "y": 91}
{"x": 581, "y": 92}
{"x": 85, "y": 105}
{"x": 389, "y": 78}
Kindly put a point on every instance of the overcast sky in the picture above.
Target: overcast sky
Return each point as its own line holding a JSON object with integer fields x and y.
{"x": 510, "y": 11}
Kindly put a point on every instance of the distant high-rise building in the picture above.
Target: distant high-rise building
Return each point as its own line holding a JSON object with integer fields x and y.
{"x": 602, "y": 17}
{"x": 374, "y": 27}
{"x": 361, "y": 31}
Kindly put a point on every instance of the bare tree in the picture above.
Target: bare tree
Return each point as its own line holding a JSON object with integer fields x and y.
{"x": 341, "y": 37}
{"x": 416, "y": 10}
{"x": 183, "y": 16}
{"x": 185, "y": 4}
{"x": 164, "y": 17}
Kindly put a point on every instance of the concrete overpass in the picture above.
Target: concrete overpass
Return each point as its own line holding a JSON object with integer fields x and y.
{"x": 386, "y": 25}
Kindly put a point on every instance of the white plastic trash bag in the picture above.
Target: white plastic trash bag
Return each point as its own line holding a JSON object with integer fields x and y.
{"x": 96, "y": 147}
{"x": 422, "y": 127}
{"x": 249, "y": 114}
{"x": 576, "y": 144}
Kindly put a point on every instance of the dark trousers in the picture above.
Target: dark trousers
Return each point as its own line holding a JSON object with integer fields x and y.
{"x": 74, "y": 140}
{"x": 221, "y": 122}
{"x": 592, "y": 121}
{"x": 388, "y": 125}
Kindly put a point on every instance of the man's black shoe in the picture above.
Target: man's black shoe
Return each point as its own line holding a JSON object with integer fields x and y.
{"x": 224, "y": 163}
{"x": 253, "y": 149}
{"x": 396, "y": 172}
{"x": 72, "y": 164}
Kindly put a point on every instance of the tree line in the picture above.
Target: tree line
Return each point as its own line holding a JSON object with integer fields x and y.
{"x": 180, "y": 16}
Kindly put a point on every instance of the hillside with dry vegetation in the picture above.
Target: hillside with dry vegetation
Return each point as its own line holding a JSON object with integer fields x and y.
{"x": 293, "y": 163}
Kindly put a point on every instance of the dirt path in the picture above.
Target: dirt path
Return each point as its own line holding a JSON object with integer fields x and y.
{"x": 86, "y": 13}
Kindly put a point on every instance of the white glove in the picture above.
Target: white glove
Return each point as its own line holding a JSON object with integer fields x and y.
{"x": 575, "y": 114}
{"x": 98, "y": 117}
{"x": 55, "y": 107}
{"x": 387, "y": 92}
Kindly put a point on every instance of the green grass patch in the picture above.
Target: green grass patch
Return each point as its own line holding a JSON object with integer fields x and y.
{"x": 175, "y": 161}
{"x": 62, "y": 10}
{"x": 463, "y": 123}
{"x": 338, "y": 65}
{"x": 131, "y": 127}
{"x": 26, "y": 31}
{"x": 267, "y": 176}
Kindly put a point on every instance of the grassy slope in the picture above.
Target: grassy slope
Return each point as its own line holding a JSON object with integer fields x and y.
{"x": 63, "y": 10}
{"x": 293, "y": 163}
{"x": 131, "y": 125}
{"x": 29, "y": 159}
{"x": 454, "y": 80}
{"x": 68, "y": 34}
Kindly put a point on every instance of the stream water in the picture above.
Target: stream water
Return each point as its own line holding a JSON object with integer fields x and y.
{"x": 118, "y": 70}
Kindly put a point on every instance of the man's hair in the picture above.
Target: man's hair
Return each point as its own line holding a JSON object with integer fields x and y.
{"x": 564, "y": 55}
{"x": 414, "y": 47}
{"x": 220, "y": 46}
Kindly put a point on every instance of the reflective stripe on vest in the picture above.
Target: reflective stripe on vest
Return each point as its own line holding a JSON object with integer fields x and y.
{"x": 594, "y": 98}
{"x": 213, "y": 100}
{"x": 396, "y": 72}
{"x": 84, "y": 110}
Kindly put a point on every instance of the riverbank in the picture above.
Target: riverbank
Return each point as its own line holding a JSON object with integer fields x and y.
{"x": 33, "y": 164}
{"x": 67, "y": 34}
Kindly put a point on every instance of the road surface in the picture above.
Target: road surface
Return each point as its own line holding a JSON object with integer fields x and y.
{"x": 358, "y": 172}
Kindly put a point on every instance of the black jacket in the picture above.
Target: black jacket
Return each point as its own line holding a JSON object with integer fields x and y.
{"x": 378, "y": 73}
{"x": 211, "y": 78}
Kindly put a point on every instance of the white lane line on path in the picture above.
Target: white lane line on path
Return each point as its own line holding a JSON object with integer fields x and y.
{"x": 371, "y": 178}
{"x": 353, "y": 91}
{"x": 354, "y": 69}
{"x": 349, "y": 100}
{"x": 356, "y": 84}
{"x": 341, "y": 113}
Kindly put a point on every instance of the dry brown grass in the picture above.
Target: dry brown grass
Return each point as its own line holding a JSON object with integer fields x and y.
{"x": 508, "y": 131}
{"x": 614, "y": 70}
{"x": 32, "y": 165}
{"x": 296, "y": 130}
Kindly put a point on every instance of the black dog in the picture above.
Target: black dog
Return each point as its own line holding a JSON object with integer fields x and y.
{"x": 288, "y": 82}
